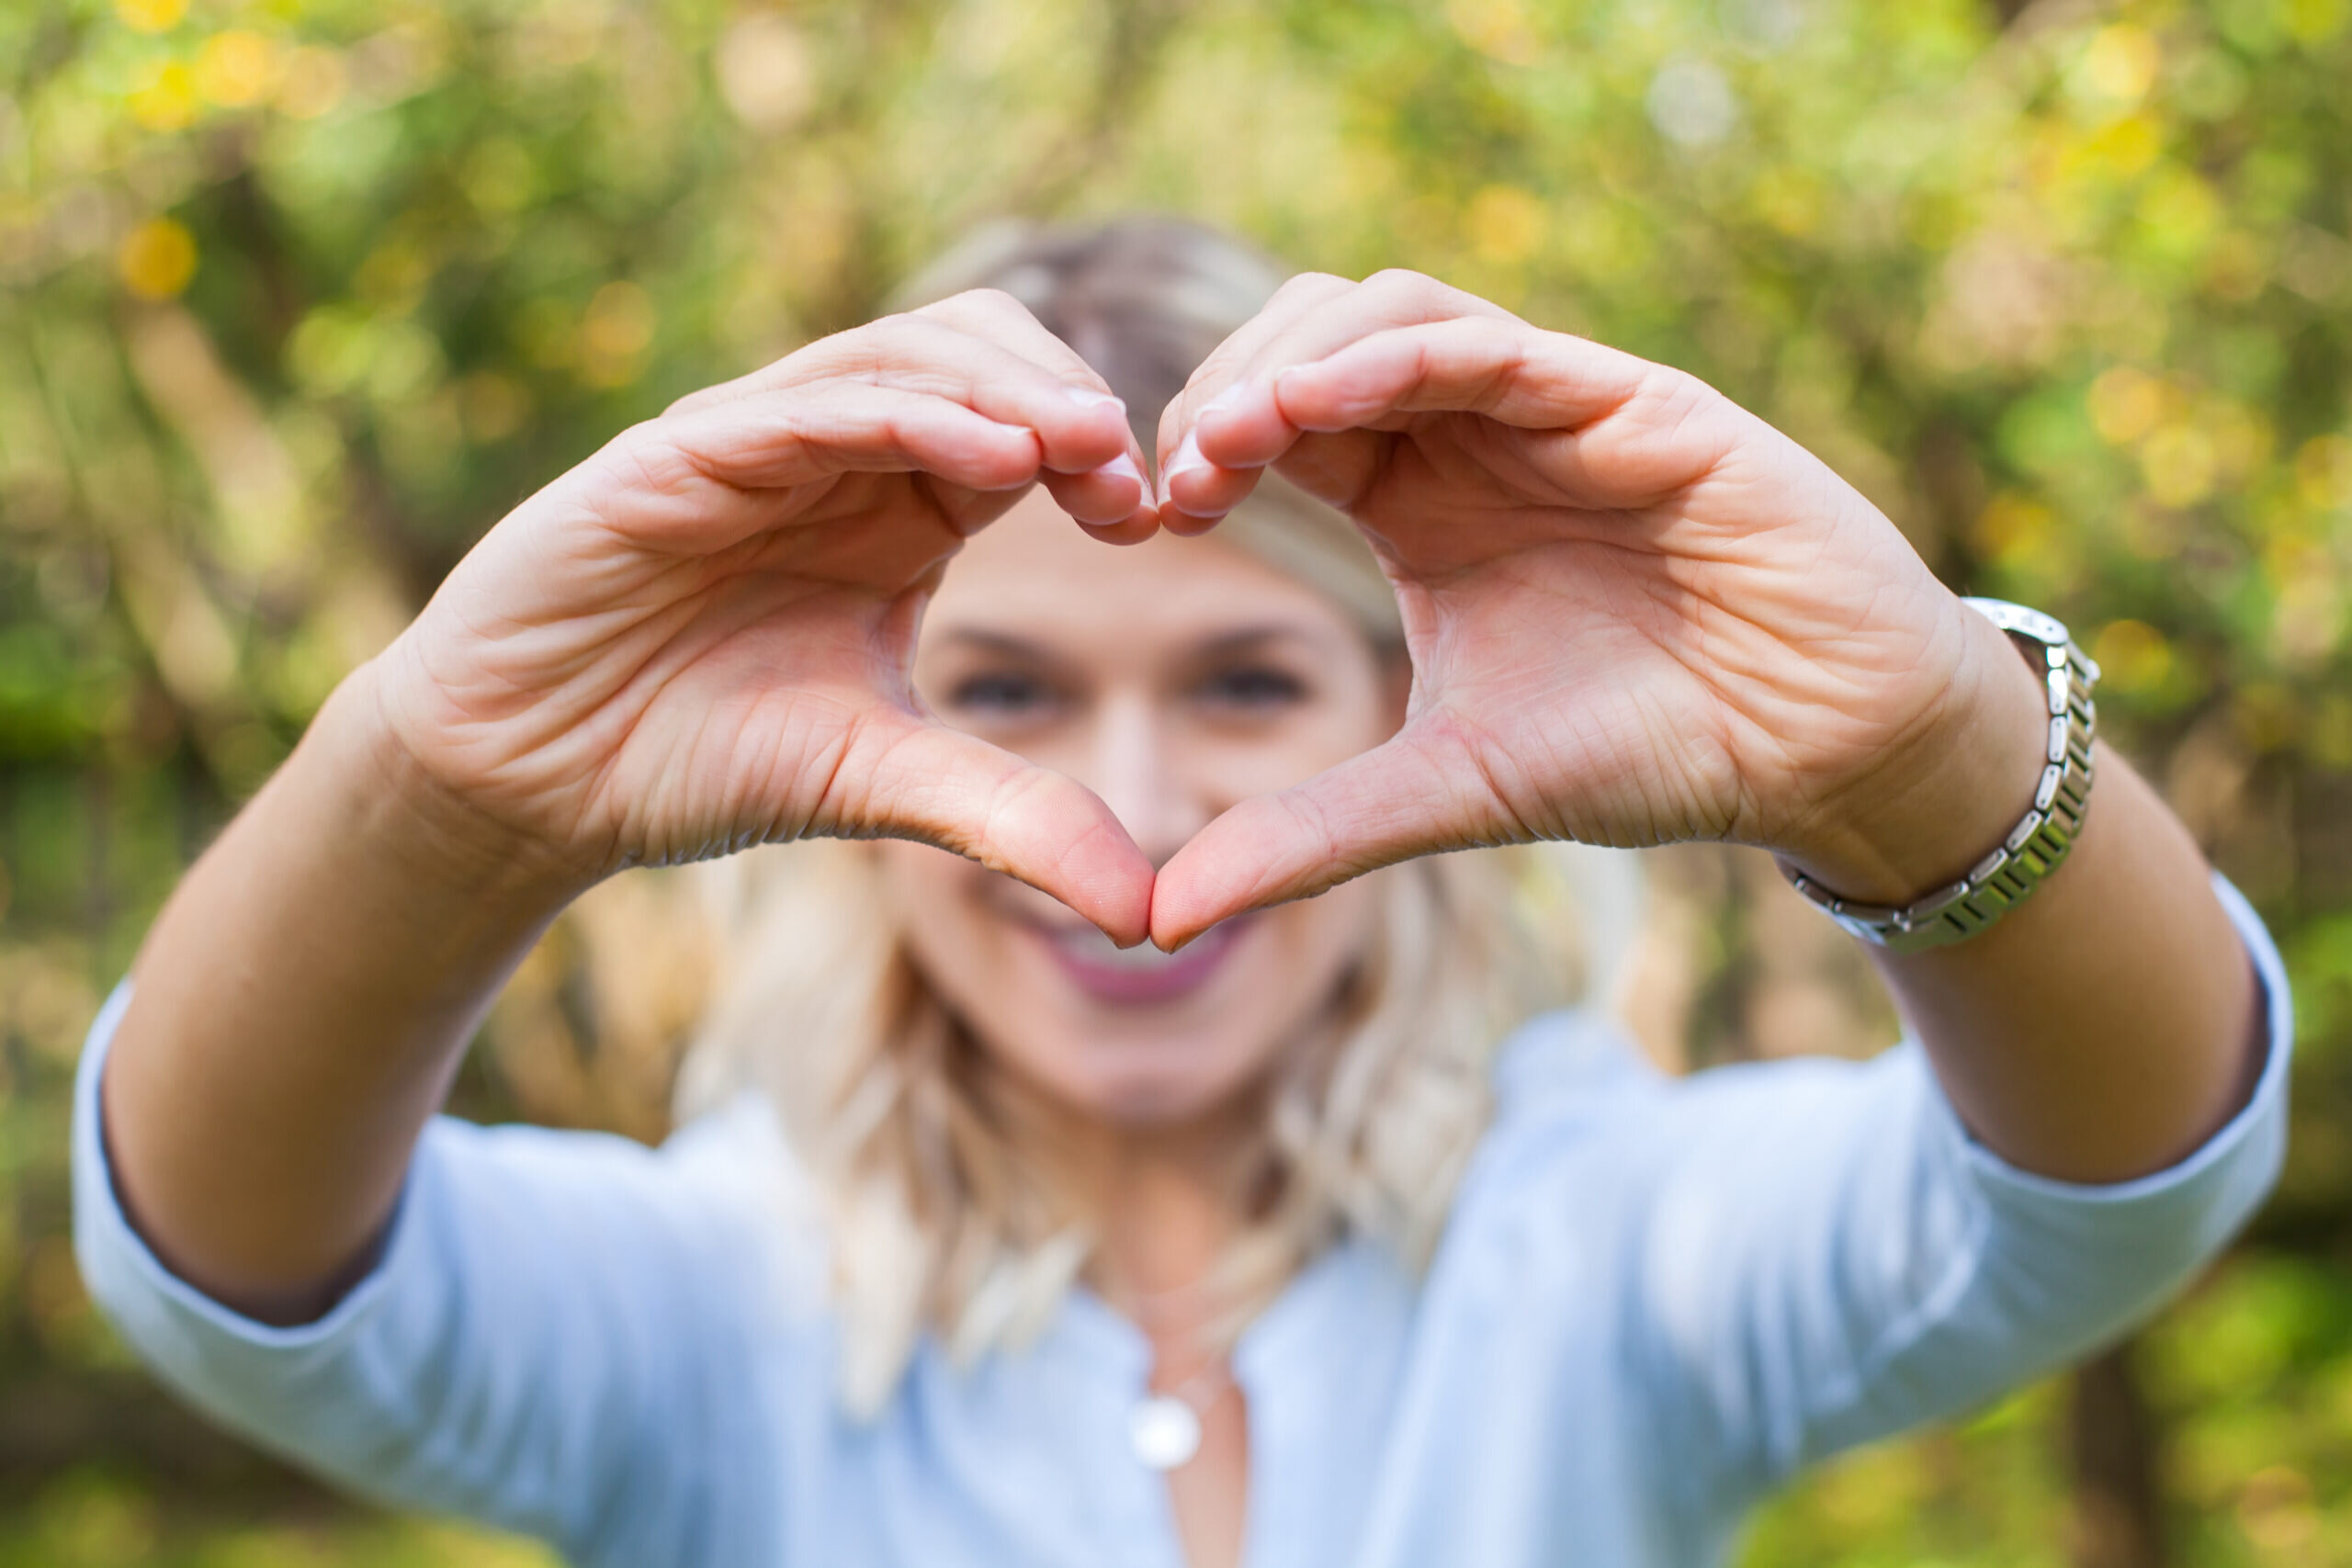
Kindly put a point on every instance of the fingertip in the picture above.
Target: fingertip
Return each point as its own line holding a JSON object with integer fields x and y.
{"x": 1093, "y": 437}
{"x": 1175, "y": 933}
{"x": 1116, "y": 902}
{"x": 1195, "y": 494}
{"x": 1308, "y": 398}
{"x": 1186, "y": 524}
{"x": 1108, "y": 496}
{"x": 1181, "y": 909}
{"x": 1105, "y": 882}
{"x": 1182, "y": 463}
{"x": 1133, "y": 529}
{"x": 1119, "y": 485}
{"x": 1092, "y": 398}
{"x": 1019, "y": 457}
{"x": 1217, "y": 418}
{"x": 1244, "y": 426}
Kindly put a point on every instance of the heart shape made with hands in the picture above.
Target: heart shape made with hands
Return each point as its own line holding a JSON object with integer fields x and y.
{"x": 1636, "y": 614}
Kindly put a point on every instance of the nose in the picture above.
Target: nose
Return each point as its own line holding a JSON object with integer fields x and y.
{"x": 1134, "y": 763}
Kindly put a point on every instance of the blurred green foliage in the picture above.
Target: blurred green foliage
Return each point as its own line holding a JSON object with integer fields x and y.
{"x": 296, "y": 298}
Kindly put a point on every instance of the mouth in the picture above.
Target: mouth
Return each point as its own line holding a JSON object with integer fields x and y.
{"x": 1140, "y": 974}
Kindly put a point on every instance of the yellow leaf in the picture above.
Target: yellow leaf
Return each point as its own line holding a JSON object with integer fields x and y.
{"x": 2120, "y": 64}
{"x": 150, "y": 16}
{"x": 236, "y": 68}
{"x": 165, "y": 100}
{"x": 157, "y": 259}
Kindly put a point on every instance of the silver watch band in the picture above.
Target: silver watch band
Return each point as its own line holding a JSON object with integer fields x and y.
{"x": 2038, "y": 844}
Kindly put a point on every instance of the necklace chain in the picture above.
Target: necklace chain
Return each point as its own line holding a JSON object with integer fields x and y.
{"x": 1188, "y": 1389}
{"x": 1165, "y": 1427}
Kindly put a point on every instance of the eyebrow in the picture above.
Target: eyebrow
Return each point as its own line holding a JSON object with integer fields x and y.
{"x": 1235, "y": 641}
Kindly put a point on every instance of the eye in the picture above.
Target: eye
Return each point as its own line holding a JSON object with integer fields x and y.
{"x": 1253, "y": 687}
{"x": 1002, "y": 694}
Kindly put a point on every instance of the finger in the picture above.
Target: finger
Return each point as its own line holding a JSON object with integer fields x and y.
{"x": 1115, "y": 502}
{"x": 1505, "y": 370}
{"x": 1390, "y": 804}
{"x": 1216, "y": 495}
{"x": 1000, "y": 318}
{"x": 1292, "y": 300}
{"x": 700, "y": 481}
{"x": 1195, "y": 494}
{"x": 996, "y": 317}
{"x": 1112, "y": 502}
{"x": 925, "y": 782}
{"x": 1138, "y": 527}
{"x": 987, "y": 313}
{"x": 1078, "y": 424}
{"x": 1608, "y": 428}
{"x": 1251, "y": 426}
{"x": 1242, "y": 428}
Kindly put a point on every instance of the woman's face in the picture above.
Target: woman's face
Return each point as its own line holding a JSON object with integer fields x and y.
{"x": 1173, "y": 678}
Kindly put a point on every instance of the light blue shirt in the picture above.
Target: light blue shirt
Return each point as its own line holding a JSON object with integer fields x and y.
{"x": 1655, "y": 1298}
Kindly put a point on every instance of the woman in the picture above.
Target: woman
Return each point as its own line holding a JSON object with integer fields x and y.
{"x": 1005, "y": 1241}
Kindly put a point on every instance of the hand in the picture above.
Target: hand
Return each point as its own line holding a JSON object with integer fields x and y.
{"x": 698, "y": 639}
{"x": 1636, "y": 612}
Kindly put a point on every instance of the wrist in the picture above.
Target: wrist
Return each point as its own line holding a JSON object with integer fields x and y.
{"x": 368, "y": 787}
{"x": 1946, "y": 795}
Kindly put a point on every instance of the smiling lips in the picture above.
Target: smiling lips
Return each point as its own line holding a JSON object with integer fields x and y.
{"x": 1140, "y": 974}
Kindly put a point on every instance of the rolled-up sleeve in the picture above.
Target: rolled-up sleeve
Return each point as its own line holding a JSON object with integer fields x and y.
{"x": 1833, "y": 1256}
{"x": 545, "y": 1342}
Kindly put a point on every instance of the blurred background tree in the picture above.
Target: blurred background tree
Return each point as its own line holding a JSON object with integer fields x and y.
{"x": 297, "y": 297}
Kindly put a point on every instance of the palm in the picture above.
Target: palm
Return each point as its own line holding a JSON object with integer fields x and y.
{"x": 1636, "y": 614}
{"x": 1633, "y": 663}
{"x": 700, "y": 639}
{"x": 701, "y": 702}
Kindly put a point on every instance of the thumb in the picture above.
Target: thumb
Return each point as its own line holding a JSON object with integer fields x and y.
{"x": 1398, "y": 800}
{"x": 941, "y": 787}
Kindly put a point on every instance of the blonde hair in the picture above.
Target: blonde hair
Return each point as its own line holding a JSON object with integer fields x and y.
{"x": 941, "y": 1218}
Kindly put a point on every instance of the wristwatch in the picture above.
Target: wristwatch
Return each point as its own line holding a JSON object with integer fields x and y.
{"x": 2038, "y": 844}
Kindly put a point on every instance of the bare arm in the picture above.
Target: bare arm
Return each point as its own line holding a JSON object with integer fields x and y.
{"x": 1638, "y": 615}
{"x": 696, "y": 641}
{"x": 298, "y": 1007}
{"x": 2108, "y": 1025}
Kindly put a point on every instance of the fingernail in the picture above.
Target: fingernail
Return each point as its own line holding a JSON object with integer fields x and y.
{"x": 1088, "y": 398}
{"x": 1123, "y": 467}
{"x": 1226, "y": 399}
{"x": 1186, "y": 459}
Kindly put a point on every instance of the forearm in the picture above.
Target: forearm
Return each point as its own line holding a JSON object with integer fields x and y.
{"x": 2110, "y": 1023}
{"x": 298, "y": 1009}
{"x": 2106, "y": 1026}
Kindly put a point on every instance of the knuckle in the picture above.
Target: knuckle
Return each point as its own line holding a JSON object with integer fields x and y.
{"x": 1401, "y": 285}
{"x": 1309, "y": 282}
{"x": 1679, "y": 396}
{"x": 845, "y": 352}
{"x": 974, "y": 304}
{"x": 647, "y": 459}
{"x": 998, "y": 300}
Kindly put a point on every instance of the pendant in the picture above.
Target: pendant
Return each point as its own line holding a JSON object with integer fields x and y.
{"x": 1163, "y": 1431}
